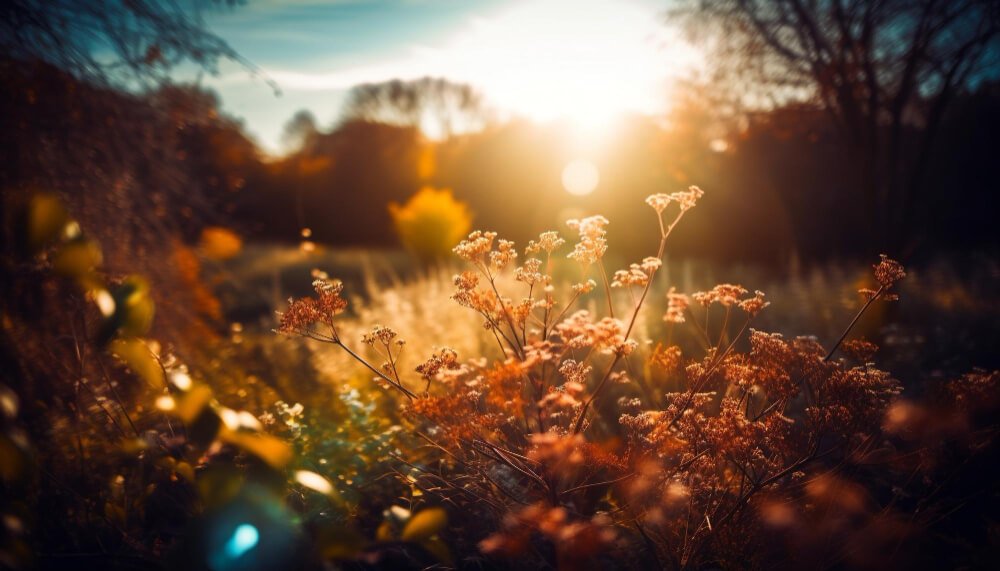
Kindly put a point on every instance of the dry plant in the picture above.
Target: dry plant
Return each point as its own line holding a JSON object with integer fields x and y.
{"x": 577, "y": 443}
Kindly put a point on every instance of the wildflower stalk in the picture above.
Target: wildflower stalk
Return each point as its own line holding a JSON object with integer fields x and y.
{"x": 631, "y": 324}
{"x": 878, "y": 293}
{"x": 805, "y": 378}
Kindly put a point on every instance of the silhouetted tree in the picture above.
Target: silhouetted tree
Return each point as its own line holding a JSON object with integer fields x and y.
{"x": 113, "y": 40}
{"x": 299, "y": 130}
{"x": 436, "y": 106}
{"x": 884, "y": 71}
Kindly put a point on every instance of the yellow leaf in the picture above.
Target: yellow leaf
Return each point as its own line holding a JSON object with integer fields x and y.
{"x": 13, "y": 459}
{"x": 219, "y": 243}
{"x": 136, "y": 306}
{"x": 274, "y": 451}
{"x": 46, "y": 219}
{"x": 138, "y": 357}
{"x": 188, "y": 406}
{"x": 384, "y": 532}
{"x": 338, "y": 542}
{"x": 185, "y": 470}
{"x": 75, "y": 259}
{"x": 425, "y": 524}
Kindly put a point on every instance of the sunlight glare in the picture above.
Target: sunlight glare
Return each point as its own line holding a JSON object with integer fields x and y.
{"x": 585, "y": 61}
{"x": 580, "y": 177}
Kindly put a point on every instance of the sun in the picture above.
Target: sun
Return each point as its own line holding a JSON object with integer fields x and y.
{"x": 586, "y": 62}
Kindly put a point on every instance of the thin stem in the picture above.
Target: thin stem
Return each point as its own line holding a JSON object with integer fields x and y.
{"x": 398, "y": 385}
{"x": 607, "y": 288}
{"x": 631, "y": 324}
{"x": 853, "y": 322}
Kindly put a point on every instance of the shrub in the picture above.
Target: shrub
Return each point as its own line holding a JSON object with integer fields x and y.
{"x": 431, "y": 222}
{"x": 579, "y": 443}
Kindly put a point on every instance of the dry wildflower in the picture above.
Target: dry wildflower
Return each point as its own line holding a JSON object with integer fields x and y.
{"x": 725, "y": 294}
{"x": 530, "y": 273}
{"x": 330, "y": 302}
{"x": 445, "y": 358}
{"x": 476, "y": 247}
{"x": 636, "y": 274}
{"x": 688, "y": 199}
{"x": 574, "y": 541}
{"x": 625, "y": 348}
{"x": 592, "y": 244}
{"x": 303, "y": 313}
{"x": 575, "y": 372}
{"x": 559, "y": 453}
{"x": 584, "y": 287}
{"x": 503, "y": 255}
{"x": 859, "y": 350}
{"x": 677, "y": 304}
{"x": 755, "y": 304}
{"x": 579, "y": 330}
{"x": 888, "y": 271}
{"x": 482, "y": 301}
{"x": 558, "y": 399}
{"x": 658, "y": 202}
{"x": 379, "y": 334}
{"x": 666, "y": 358}
{"x": 975, "y": 390}
{"x": 299, "y": 317}
{"x": 547, "y": 242}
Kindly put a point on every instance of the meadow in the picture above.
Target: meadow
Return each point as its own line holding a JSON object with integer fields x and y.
{"x": 547, "y": 284}
{"x": 413, "y": 416}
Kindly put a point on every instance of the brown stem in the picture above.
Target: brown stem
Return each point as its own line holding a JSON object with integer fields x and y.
{"x": 628, "y": 331}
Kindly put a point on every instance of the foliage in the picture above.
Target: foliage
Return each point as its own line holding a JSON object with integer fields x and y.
{"x": 111, "y": 40}
{"x": 559, "y": 428}
{"x": 431, "y": 222}
{"x": 581, "y": 443}
{"x": 884, "y": 72}
{"x": 435, "y": 106}
{"x": 137, "y": 447}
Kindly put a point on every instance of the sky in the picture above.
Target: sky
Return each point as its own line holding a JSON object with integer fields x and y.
{"x": 585, "y": 61}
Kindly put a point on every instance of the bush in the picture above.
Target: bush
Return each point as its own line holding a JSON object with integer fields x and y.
{"x": 431, "y": 222}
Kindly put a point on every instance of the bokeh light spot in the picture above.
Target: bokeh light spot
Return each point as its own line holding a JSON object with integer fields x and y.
{"x": 244, "y": 539}
{"x": 580, "y": 177}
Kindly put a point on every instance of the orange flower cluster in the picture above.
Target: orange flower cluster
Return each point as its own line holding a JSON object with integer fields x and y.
{"x": 566, "y": 427}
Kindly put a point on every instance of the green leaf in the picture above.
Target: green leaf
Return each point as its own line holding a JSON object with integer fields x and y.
{"x": 425, "y": 524}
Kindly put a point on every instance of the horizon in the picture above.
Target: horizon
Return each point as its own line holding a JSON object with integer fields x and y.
{"x": 321, "y": 51}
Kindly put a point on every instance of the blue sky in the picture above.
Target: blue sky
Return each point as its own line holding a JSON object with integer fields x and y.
{"x": 536, "y": 58}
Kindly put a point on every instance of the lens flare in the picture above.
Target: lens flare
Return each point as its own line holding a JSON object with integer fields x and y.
{"x": 244, "y": 539}
{"x": 580, "y": 177}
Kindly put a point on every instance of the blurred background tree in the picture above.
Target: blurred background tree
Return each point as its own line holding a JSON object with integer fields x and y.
{"x": 431, "y": 223}
{"x": 113, "y": 41}
{"x": 438, "y": 107}
{"x": 884, "y": 72}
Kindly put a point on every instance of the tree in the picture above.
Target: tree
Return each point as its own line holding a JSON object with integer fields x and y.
{"x": 113, "y": 41}
{"x": 885, "y": 72}
{"x": 438, "y": 107}
{"x": 299, "y": 130}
